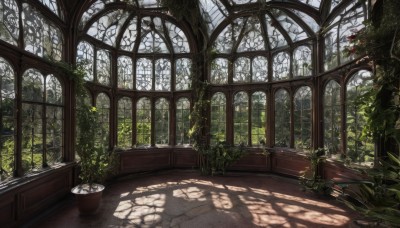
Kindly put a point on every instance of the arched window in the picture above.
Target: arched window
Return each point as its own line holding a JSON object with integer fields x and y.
{"x": 332, "y": 119}
{"x": 218, "y": 118}
{"x": 258, "y": 118}
{"x": 241, "y": 118}
{"x": 360, "y": 148}
{"x": 144, "y": 74}
{"x": 143, "y": 122}
{"x": 42, "y": 121}
{"x": 7, "y": 115}
{"x": 182, "y": 121}
{"x": 161, "y": 126}
{"x": 282, "y": 118}
{"x": 124, "y": 121}
{"x": 302, "y": 118}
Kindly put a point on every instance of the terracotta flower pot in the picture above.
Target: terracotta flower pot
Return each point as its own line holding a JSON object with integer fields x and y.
{"x": 88, "y": 197}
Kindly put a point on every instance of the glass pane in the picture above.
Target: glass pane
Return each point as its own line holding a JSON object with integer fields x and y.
{"x": 182, "y": 121}
{"x": 178, "y": 38}
{"x": 152, "y": 43}
{"x": 7, "y": 112}
{"x": 252, "y": 38}
{"x": 107, "y": 27}
{"x": 332, "y": 119}
{"x": 52, "y": 5}
{"x": 91, "y": 11}
{"x": 331, "y": 49}
{"x": 129, "y": 37}
{"x": 282, "y": 118}
{"x": 229, "y": 36}
{"x": 242, "y": 70}
{"x": 144, "y": 74}
{"x": 213, "y": 13}
{"x": 293, "y": 29}
{"x": 281, "y": 66}
{"x": 9, "y": 21}
{"x": 125, "y": 72}
{"x": 32, "y": 86}
{"x": 308, "y": 20}
{"x": 103, "y": 107}
{"x": 260, "y": 69}
{"x": 124, "y": 138}
{"x": 302, "y": 61}
{"x": 302, "y": 118}
{"x": 241, "y": 118}
{"x": 218, "y": 118}
{"x": 258, "y": 118}
{"x": 183, "y": 73}
{"x": 314, "y": 3}
{"x": 103, "y": 67}
{"x": 54, "y": 135}
{"x": 350, "y": 24}
{"x": 149, "y": 3}
{"x": 359, "y": 149}
{"x": 54, "y": 90}
{"x": 143, "y": 122}
{"x": 85, "y": 56}
{"x": 219, "y": 71}
{"x": 32, "y": 137}
{"x": 334, "y": 3}
{"x": 162, "y": 122}
{"x": 275, "y": 37}
{"x": 162, "y": 75}
{"x": 41, "y": 37}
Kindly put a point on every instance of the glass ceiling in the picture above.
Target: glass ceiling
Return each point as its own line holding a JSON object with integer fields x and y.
{"x": 283, "y": 23}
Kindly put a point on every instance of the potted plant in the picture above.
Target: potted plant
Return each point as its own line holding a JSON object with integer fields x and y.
{"x": 96, "y": 161}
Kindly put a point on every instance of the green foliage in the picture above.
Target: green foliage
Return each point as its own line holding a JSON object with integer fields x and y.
{"x": 378, "y": 197}
{"x": 216, "y": 159}
{"x": 310, "y": 179}
{"x": 96, "y": 162}
{"x": 379, "y": 41}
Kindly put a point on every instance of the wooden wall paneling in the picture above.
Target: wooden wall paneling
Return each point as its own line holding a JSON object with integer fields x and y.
{"x": 145, "y": 160}
{"x": 185, "y": 158}
{"x": 7, "y": 209}
{"x": 288, "y": 163}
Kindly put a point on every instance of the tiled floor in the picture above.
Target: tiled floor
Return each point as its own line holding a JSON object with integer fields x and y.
{"x": 180, "y": 198}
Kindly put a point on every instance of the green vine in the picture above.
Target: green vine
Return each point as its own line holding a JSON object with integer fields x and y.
{"x": 379, "y": 42}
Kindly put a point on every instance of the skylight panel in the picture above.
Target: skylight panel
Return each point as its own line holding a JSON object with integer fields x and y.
{"x": 108, "y": 26}
{"x": 149, "y": 3}
{"x": 275, "y": 37}
{"x": 295, "y": 32}
{"x": 93, "y": 9}
{"x": 213, "y": 13}
{"x": 307, "y": 19}
{"x": 241, "y": 2}
{"x": 252, "y": 38}
{"x": 314, "y": 3}
{"x": 229, "y": 36}
{"x": 52, "y": 5}
{"x": 178, "y": 39}
{"x": 128, "y": 38}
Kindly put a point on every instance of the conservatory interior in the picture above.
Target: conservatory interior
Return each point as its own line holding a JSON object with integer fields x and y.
{"x": 221, "y": 113}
